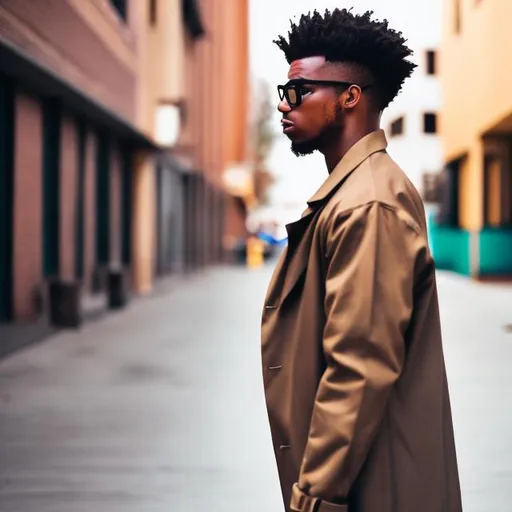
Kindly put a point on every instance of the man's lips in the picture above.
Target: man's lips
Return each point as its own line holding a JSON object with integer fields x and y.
{"x": 287, "y": 125}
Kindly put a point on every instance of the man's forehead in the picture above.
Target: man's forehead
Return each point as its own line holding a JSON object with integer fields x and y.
{"x": 305, "y": 67}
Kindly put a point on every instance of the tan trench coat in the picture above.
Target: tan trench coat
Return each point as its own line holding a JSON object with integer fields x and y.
{"x": 353, "y": 363}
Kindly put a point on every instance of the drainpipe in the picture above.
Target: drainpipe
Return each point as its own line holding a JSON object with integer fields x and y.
{"x": 474, "y": 254}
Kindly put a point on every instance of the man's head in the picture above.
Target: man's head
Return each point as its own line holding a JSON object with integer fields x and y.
{"x": 345, "y": 69}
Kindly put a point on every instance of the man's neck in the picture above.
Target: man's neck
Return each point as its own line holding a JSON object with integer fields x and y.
{"x": 335, "y": 152}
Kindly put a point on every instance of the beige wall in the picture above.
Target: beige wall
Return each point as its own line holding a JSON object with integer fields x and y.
{"x": 236, "y": 81}
{"x": 160, "y": 59}
{"x": 470, "y": 188}
{"x": 475, "y": 72}
{"x": 216, "y": 89}
{"x": 145, "y": 95}
{"x": 160, "y": 62}
{"x": 143, "y": 240}
{"x": 209, "y": 76}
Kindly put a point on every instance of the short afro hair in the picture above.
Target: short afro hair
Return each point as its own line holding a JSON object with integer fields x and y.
{"x": 341, "y": 36}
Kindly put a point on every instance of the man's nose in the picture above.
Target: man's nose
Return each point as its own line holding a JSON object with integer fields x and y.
{"x": 283, "y": 106}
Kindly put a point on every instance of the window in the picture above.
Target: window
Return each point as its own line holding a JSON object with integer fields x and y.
{"x": 429, "y": 123}
{"x": 397, "y": 127}
{"x": 153, "y": 12}
{"x": 192, "y": 18}
{"x": 430, "y": 187}
{"x": 431, "y": 62}
{"x": 120, "y": 7}
{"x": 457, "y": 16}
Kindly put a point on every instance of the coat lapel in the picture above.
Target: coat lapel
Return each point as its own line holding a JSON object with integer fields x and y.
{"x": 300, "y": 235}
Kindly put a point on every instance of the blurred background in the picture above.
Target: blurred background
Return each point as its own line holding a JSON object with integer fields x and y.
{"x": 145, "y": 187}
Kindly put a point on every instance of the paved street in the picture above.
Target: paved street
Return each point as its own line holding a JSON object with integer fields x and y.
{"x": 159, "y": 408}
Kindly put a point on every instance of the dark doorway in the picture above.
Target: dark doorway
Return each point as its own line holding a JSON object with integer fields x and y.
{"x": 51, "y": 193}
{"x": 102, "y": 203}
{"x": 126, "y": 207}
{"x": 80, "y": 202}
{"x": 6, "y": 196}
{"x": 170, "y": 219}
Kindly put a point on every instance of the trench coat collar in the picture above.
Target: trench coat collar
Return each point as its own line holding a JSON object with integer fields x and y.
{"x": 360, "y": 151}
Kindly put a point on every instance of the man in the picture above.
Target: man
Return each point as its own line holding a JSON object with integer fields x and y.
{"x": 353, "y": 362}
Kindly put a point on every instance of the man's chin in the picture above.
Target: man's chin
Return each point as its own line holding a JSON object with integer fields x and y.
{"x": 304, "y": 148}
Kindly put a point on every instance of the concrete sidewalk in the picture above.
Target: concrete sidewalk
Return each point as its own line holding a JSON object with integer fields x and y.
{"x": 160, "y": 407}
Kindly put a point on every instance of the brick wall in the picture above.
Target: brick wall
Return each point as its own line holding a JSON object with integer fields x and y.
{"x": 53, "y": 33}
{"x": 90, "y": 211}
{"x": 68, "y": 196}
{"x": 27, "y": 205}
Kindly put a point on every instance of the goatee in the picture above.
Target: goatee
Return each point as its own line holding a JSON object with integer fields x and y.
{"x": 304, "y": 148}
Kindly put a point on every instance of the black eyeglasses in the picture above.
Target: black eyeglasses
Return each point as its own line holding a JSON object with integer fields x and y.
{"x": 293, "y": 90}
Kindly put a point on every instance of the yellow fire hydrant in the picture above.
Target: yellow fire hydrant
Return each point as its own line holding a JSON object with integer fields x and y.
{"x": 254, "y": 249}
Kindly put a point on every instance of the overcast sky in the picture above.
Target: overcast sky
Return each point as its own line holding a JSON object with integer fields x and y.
{"x": 298, "y": 178}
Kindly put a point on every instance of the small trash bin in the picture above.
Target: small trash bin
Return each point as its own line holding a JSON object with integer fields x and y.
{"x": 117, "y": 288}
{"x": 65, "y": 303}
{"x": 254, "y": 252}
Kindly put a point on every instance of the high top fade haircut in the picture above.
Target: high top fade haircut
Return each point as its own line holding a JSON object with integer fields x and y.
{"x": 355, "y": 40}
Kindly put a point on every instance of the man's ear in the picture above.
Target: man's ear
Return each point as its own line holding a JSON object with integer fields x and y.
{"x": 352, "y": 96}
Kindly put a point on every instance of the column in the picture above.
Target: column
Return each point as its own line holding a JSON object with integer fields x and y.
{"x": 144, "y": 225}
{"x": 28, "y": 194}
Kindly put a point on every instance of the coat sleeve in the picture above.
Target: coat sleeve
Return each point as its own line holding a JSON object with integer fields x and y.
{"x": 371, "y": 256}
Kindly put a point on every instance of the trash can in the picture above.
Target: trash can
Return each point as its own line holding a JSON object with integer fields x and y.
{"x": 117, "y": 288}
{"x": 254, "y": 252}
{"x": 65, "y": 303}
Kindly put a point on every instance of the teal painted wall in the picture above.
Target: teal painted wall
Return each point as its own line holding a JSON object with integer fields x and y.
{"x": 450, "y": 247}
{"x": 496, "y": 252}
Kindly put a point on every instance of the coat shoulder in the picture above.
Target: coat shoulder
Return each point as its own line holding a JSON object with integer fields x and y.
{"x": 378, "y": 179}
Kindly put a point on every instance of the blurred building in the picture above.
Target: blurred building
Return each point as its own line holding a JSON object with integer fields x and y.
{"x": 118, "y": 120}
{"x": 472, "y": 234}
{"x": 411, "y": 120}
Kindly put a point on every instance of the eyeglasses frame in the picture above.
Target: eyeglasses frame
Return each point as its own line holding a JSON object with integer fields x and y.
{"x": 282, "y": 90}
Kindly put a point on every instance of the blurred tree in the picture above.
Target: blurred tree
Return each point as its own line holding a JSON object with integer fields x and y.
{"x": 262, "y": 137}
{"x": 263, "y": 134}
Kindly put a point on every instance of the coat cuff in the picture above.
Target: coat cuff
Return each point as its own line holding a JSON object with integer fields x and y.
{"x": 301, "y": 502}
